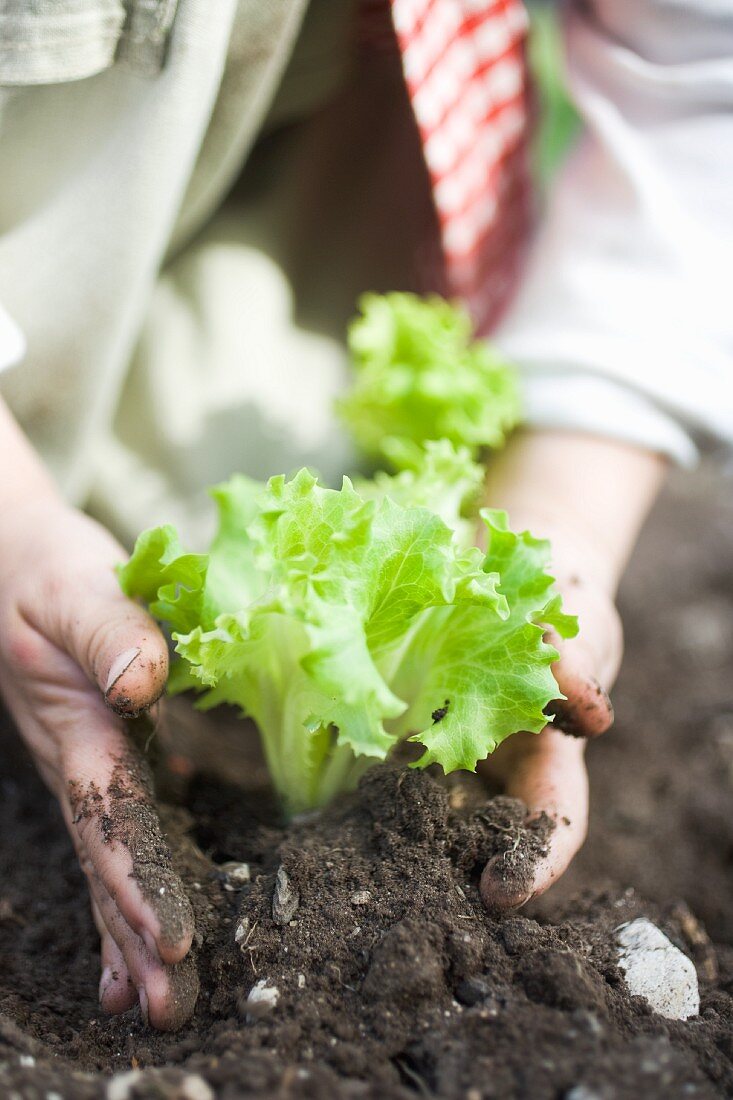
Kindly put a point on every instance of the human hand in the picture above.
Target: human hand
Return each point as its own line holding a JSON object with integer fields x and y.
{"x": 589, "y": 496}
{"x": 547, "y": 771}
{"x": 75, "y": 657}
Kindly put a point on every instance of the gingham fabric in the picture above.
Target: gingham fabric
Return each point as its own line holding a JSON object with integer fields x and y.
{"x": 466, "y": 74}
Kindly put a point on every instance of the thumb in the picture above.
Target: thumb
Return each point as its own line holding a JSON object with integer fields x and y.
{"x": 120, "y": 648}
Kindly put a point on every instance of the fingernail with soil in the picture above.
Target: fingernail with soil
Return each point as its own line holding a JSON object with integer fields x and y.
{"x": 564, "y": 717}
{"x": 119, "y": 666}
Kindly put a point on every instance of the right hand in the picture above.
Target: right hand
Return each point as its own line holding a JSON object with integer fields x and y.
{"x": 76, "y": 656}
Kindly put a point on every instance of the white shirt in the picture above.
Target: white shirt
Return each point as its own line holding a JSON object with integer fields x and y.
{"x": 624, "y": 323}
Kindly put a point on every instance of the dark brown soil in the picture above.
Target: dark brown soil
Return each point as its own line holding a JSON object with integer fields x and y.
{"x": 393, "y": 982}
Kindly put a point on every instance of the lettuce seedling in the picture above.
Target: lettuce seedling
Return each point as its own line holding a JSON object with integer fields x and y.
{"x": 344, "y": 620}
{"x": 419, "y": 376}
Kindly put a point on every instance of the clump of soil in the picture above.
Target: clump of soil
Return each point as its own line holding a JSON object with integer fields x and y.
{"x": 386, "y": 975}
{"x": 357, "y": 961}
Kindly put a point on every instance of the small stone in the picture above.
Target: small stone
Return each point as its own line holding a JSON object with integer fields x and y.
{"x": 472, "y": 991}
{"x": 261, "y": 1000}
{"x": 657, "y": 970}
{"x": 301, "y": 981}
{"x": 237, "y": 873}
{"x": 27, "y": 1060}
{"x": 121, "y": 1085}
{"x": 241, "y": 931}
{"x": 285, "y": 899}
{"x": 193, "y": 1087}
{"x": 361, "y": 897}
{"x": 580, "y": 1092}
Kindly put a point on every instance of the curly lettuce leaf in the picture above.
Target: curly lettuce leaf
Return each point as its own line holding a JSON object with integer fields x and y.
{"x": 420, "y": 377}
{"x": 492, "y": 678}
{"x": 341, "y": 620}
{"x": 440, "y": 476}
{"x": 171, "y": 581}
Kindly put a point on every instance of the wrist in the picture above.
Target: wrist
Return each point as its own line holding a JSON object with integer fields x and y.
{"x": 577, "y": 550}
{"x": 588, "y": 495}
{"x": 25, "y": 478}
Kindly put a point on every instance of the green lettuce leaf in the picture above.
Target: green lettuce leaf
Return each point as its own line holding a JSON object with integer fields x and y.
{"x": 438, "y": 476}
{"x": 343, "y": 620}
{"x": 491, "y": 678}
{"x": 420, "y": 377}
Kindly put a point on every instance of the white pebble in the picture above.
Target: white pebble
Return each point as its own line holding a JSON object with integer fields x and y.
{"x": 285, "y": 899}
{"x": 27, "y": 1060}
{"x": 657, "y": 970}
{"x": 237, "y": 872}
{"x": 121, "y": 1085}
{"x": 262, "y": 998}
{"x": 194, "y": 1087}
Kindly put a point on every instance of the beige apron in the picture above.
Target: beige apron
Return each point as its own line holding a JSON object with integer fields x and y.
{"x": 183, "y": 234}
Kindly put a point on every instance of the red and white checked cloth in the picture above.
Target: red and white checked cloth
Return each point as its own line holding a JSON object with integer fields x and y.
{"x": 466, "y": 73}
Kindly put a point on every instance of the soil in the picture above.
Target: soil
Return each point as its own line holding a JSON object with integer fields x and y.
{"x": 391, "y": 979}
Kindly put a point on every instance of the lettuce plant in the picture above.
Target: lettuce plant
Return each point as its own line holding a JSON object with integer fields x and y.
{"x": 419, "y": 376}
{"x": 344, "y": 620}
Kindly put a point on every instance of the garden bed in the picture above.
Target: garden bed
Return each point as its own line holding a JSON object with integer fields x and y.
{"x": 392, "y": 980}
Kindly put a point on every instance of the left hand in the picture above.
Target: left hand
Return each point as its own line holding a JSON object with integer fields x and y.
{"x": 589, "y": 496}
{"x": 547, "y": 771}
